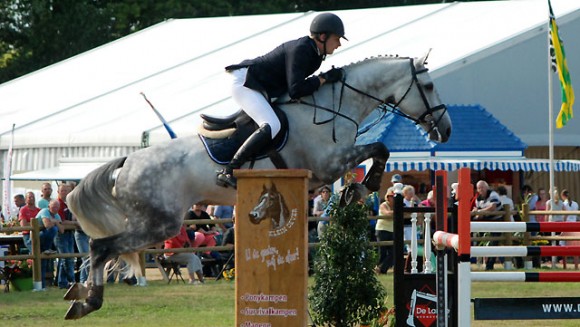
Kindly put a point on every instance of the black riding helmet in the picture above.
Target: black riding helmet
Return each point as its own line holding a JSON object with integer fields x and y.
{"x": 326, "y": 23}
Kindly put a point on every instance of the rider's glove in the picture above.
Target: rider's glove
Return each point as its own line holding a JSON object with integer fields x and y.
{"x": 333, "y": 75}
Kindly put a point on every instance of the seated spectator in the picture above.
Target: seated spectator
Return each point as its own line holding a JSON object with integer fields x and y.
{"x": 50, "y": 225}
{"x": 192, "y": 261}
{"x": 204, "y": 233}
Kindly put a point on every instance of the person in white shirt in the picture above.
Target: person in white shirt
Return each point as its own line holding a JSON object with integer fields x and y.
{"x": 569, "y": 204}
{"x": 503, "y": 197}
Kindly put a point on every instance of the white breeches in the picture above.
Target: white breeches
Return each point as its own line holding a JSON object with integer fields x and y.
{"x": 253, "y": 102}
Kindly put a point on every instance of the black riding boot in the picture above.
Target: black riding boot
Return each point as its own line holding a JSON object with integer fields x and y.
{"x": 260, "y": 138}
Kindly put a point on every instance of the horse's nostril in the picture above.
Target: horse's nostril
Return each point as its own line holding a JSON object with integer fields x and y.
{"x": 448, "y": 132}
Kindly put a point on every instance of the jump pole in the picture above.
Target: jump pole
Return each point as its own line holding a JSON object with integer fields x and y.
{"x": 465, "y": 193}
{"x": 272, "y": 262}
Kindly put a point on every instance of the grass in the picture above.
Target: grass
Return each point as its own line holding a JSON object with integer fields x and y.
{"x": 211, "y": 305}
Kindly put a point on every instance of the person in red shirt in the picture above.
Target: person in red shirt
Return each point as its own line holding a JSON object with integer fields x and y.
{"x": 26, "y": 213}
{"x": 192, "y": 261}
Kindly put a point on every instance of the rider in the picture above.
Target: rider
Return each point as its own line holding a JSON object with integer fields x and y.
{"x": 287, "y": 68}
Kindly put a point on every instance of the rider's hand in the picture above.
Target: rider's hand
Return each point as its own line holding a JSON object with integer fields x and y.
{"x": 333, "y": 75}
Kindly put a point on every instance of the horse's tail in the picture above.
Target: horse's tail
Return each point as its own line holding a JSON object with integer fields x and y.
{"x": 94, "y": 204}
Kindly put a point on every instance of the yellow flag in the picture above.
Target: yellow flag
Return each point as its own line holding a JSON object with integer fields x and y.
{"x": 559, "y": 56}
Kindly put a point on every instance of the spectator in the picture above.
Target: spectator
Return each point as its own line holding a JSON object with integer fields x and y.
{"x": 487, "y": 201}
{"x": 65, "y": 240}
{"x": 224, "y": 212}
{"x": 504, "y": 199}
{"x": 46, "y": 192}
{"x": 204, "y": 233}
{"x": 26, "y": 214}
{"x": 555, "y": 204}
{"x": 541, "y": 204}
{"x": 570, "y": 205}
{"x": 194, "y": 266}
{"x": 19, "y": 202}
{"x": 429, "y": 201}
{"x": 530, "y": 198}
{"x": 372, "y": 202}
{"x": 454, "y": 195}
{"x": 321, "y": 201}
{"x": 384, "y": 232}
{"x": 396, "y": 178}
{"x": 82, "y": 241}
{"x": 323, "y": 225}
{"x": 50, "y": 225}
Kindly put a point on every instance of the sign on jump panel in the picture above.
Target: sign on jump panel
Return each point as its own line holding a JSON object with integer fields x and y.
{"x": 271, "y": 248}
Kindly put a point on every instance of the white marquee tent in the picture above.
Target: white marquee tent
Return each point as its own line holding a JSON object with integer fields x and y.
{"x": 491, "y": 53}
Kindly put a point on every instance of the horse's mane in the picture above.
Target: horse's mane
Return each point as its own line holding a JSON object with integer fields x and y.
{"x": 374, "y": 58}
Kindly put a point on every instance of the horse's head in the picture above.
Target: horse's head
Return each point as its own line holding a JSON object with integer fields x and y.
{"x": 404, "y": 85}
{"x": 417, "y": 99}
{"x": 269, "y": 206}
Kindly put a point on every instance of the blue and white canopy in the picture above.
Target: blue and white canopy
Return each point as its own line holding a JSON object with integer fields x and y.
{"x": 451, "y": 164}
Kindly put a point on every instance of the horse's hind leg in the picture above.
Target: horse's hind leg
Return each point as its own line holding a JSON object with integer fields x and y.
{"x": 99, "y": 254}
{"x": 104, "y": 249}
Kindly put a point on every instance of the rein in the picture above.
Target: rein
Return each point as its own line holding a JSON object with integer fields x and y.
{"x": 384, "y": 105}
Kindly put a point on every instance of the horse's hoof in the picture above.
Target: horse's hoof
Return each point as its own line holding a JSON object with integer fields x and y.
{"x": 77, "y": 291}
{"x": 75, "y": 311}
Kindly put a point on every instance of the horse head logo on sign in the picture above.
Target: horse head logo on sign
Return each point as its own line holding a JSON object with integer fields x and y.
{"x": 271, "y": 205}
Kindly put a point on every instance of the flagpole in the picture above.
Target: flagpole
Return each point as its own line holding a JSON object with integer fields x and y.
{"x": 551, "y": 132}
{"x": 550, "y": 119}
{"x": 7, "y": 182}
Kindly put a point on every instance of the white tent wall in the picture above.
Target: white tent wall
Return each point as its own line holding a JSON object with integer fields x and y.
{"x": 510, "y": 80}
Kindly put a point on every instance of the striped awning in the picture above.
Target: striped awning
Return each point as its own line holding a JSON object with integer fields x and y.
{"x": 450, "y": 164}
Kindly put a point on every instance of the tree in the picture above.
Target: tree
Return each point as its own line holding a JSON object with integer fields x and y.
{"x": 346, "y": 290}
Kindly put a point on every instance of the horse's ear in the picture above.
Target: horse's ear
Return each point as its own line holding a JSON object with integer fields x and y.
{"x": 423, "y": 59}
{"x": 264, "y": 187}
{"x": 274, "y": 187}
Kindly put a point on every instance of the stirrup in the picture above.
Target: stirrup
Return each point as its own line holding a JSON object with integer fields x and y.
{"x": 225, "y": 179}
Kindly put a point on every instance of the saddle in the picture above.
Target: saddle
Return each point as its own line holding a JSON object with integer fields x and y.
{"x": 223, "y": 136}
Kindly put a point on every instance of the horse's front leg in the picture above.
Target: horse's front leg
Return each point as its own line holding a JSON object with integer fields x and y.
{"x": 347, "y": 158}
{"x": 380, "y": 154}
{"x": 99, "y": 255}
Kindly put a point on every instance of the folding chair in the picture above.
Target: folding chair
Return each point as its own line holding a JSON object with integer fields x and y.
{"x": 171, "y": 269}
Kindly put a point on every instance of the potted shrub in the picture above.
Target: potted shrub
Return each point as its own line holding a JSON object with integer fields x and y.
{"x": 18, "y": 274}
{"x": 346, "y": 291}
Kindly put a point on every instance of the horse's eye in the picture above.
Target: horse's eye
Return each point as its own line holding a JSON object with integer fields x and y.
{"x": 429, "y": 86}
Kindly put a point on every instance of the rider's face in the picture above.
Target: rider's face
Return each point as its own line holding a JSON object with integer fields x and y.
{"x": 332, "y": 43}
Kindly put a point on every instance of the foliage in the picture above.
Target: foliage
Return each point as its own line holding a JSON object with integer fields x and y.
{"x": 346, "y": 290}
{"x": 16, "y": 270}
